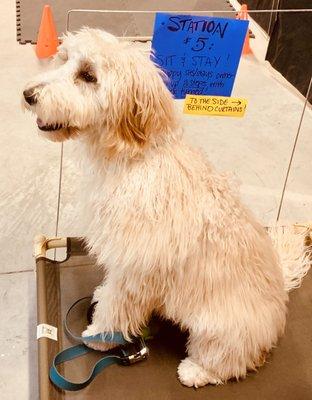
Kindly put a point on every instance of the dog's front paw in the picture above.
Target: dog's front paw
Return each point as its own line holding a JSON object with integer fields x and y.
{"x": 101, "y": 346}
{"x": 193, "y": 374}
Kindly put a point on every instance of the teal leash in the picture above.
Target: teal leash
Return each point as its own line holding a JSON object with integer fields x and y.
{"x": 129, "y": 353}
{"x": 71, "y": 353}
{"x": 103, "y": 337}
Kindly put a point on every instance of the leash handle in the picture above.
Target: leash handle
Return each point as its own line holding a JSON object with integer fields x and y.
{"x": 126, "y": 355}
{"x": 129, "y": 353}
{"x": 107, "y": 337}
{"x": 71, "y": 353}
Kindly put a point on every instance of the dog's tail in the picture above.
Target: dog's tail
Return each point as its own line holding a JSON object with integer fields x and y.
{"x": 294, "y": 247}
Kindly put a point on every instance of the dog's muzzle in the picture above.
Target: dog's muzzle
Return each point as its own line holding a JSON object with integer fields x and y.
{"x": 49, "y": 127}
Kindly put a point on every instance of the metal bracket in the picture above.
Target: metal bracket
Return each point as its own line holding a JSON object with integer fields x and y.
{"x": 42, "y": 245}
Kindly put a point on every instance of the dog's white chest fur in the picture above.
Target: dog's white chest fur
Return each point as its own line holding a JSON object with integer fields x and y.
{"x": 153, "y": 209}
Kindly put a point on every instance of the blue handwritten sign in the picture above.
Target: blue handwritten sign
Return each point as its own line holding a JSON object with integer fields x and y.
{"x": 199, "y": 54}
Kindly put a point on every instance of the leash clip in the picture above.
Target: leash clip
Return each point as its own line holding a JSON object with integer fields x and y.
{"x": 133, "y": 352}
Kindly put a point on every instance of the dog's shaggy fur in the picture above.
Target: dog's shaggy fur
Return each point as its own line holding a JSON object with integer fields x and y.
{"x": 170, "y": 231}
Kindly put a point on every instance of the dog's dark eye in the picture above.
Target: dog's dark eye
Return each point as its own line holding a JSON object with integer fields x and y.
{"x": 87, "y": 77}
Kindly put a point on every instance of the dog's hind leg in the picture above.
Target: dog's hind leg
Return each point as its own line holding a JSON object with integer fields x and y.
{"x": 214, "y": 360}
{"x": 195, "y": 369}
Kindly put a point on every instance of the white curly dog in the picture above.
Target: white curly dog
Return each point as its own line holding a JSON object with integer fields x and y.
{"x": 171, "y": 232}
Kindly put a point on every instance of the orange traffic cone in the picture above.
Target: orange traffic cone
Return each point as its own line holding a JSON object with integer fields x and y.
{"x": 47, "y": 40}
{"x": 243, "y": 15}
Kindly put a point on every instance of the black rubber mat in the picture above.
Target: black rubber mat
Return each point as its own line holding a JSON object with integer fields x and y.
{"x": 29, "y": 12}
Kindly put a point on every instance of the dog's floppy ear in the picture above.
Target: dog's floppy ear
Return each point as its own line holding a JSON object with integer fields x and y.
{"x": 141, "y": 106}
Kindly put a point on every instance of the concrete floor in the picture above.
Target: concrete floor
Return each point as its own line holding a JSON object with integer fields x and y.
{"x": 256, "y": 148}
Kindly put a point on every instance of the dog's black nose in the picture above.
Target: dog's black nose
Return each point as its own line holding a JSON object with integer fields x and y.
{"x": 30, "y": 96}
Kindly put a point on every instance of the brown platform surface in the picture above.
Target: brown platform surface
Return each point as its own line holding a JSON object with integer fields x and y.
{"x": 287, "y": 375}
{"x": 127, "y": 24}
